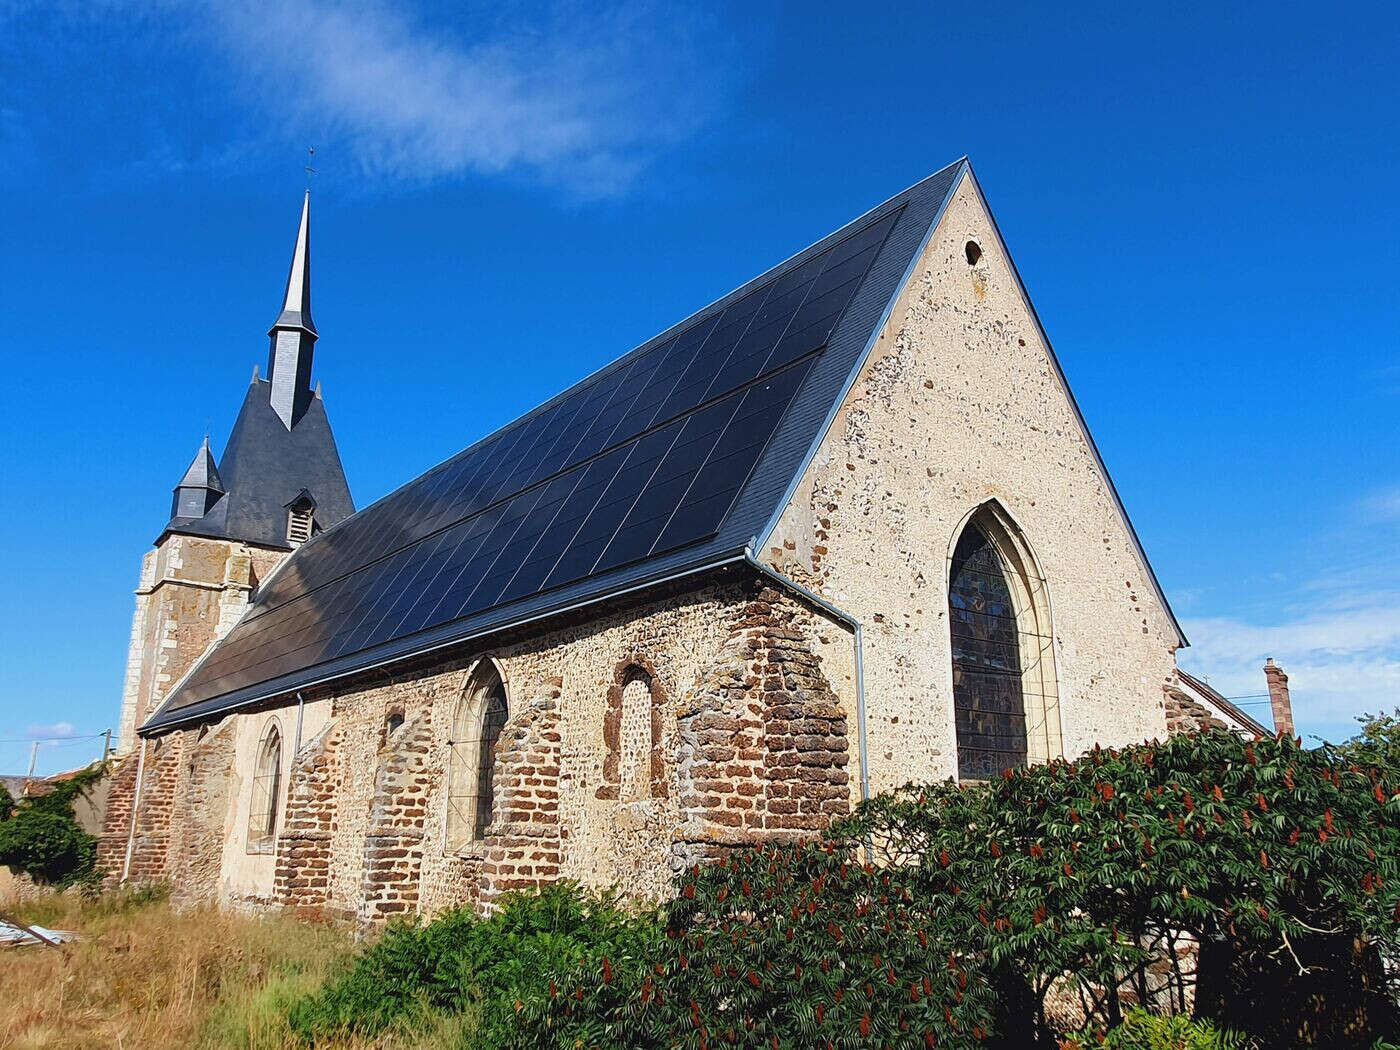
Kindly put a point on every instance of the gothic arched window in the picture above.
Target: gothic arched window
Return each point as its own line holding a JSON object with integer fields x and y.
{"x": 1006, "y": 707}
{"x": 267, "y": 785}
{"x": 481, "y": 715}
{"x": 988, "y": 706}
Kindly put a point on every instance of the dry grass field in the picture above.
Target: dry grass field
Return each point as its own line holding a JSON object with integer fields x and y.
{"x": 144, "y": 977}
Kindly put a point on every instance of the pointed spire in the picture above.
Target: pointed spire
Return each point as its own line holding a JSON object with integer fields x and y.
{"x": 200, "y": 488}
{"x": 293, "y": 334}
{"x": 296, "y": 303}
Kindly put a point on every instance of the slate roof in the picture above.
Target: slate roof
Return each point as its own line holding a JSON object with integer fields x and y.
{"x": 263, "y": 469}
{"x": 503, "y": 533}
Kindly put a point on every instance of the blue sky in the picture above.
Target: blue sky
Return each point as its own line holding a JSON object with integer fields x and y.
{"x": 1203, "y": 204}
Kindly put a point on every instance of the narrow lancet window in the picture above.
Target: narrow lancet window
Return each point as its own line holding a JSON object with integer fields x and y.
{"x": 988, "y": 701}
{"x": 267, "y": 785}
{"x": 481, "y": 716}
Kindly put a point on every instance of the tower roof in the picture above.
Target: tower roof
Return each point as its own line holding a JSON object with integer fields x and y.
{"x": 202, "y": 472}
{"x": 281, "y": 444}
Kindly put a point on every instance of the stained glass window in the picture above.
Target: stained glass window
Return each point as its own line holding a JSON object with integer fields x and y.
{"x": 988, "y": 706}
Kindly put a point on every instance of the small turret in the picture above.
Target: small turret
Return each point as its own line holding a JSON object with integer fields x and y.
{"x": 199, "y": 489}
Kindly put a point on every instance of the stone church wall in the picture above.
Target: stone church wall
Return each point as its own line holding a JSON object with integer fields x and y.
{"x": 957, "y": 405}
{"x": 750, "y": 742}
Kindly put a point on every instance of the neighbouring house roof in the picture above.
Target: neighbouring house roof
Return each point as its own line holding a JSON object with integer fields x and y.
{"x": 1211, "y": 698}
{"x": 673, "y": 459}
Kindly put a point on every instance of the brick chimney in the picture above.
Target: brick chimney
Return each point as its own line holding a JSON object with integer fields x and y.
{"x": 1278, "y": 697}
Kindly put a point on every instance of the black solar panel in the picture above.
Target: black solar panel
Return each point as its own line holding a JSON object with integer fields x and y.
{"x": 645, "y": 457}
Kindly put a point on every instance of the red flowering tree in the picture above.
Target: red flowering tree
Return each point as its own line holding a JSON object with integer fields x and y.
{"x": 1086, "y": 883}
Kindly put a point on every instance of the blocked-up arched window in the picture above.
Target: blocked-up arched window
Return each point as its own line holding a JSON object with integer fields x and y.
{"x": 476, "y": 727}
{"x": 634, "y": 737}
{"x": 1005, "y": 705}
{"x": 267, "y": 791}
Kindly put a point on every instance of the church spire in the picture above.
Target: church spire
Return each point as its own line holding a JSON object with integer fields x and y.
{"x": 293, "y": 334}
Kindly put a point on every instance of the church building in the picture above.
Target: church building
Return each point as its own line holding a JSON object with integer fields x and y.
{"x": 841, "y": 529}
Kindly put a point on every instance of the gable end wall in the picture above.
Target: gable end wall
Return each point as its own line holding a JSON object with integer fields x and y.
{"x": 960, "y": 403}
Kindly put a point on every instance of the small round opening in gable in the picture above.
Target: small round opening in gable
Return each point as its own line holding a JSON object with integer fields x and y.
{"x": 973, "y": 251}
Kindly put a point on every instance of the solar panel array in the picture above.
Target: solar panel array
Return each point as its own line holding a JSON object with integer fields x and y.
{"x": 642, "y": 458}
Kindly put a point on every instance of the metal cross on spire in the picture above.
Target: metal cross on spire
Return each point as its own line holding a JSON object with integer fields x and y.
{"x": 310, "y": 171}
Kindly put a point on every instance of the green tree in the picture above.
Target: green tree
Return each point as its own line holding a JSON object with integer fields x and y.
{"x": 41, "y": 836}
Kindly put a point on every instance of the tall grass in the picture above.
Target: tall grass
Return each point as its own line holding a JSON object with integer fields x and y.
{"x": 144, "y": 976}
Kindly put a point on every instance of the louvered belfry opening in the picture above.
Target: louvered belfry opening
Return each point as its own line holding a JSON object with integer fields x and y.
{"x": 988, "y": 703}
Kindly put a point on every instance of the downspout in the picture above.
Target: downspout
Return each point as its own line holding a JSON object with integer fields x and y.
{"x": 135, "y": 808}
{"x": 859, "y": 641}
{"x": 296, "y": 747}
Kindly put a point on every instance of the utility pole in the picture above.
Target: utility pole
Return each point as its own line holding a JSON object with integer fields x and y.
{"x": 33, "y": 759}
{"x": 106, "y": 745}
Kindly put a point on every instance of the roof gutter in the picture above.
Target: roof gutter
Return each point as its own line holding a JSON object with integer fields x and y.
{"x": 148, "y": 729}
{"x": 788, "y": 583}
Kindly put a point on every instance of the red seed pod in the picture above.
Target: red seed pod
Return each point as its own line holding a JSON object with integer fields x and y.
{"x": 797, "y": 971}
{"x": 755, "y": 980}
{"x": 929, "y": 1040}
{"x": 607, "y": 971}
{"x": 914, "y": 992}
{"x": 553, "y": 990}
{"x": 996, "y": 850}
{"x": 821, "y": 1013}
{"x": 889, "y": 976}
{"x": 689, "y": 891}
{"x": 864, "y": 1025}
{"x": 1263, "y": 803}
{"x": 1248, "y": 820}
{"x": 944, "y": 859}
{"x": 1068, "y": 869}
{"x": 928, "y": 984}
{"x": 1380, "y": 795}
{"x": 1294, "y": 836}
{"x": 923, "y": 939}
{"x": 1322, "y": 836}
{"x": 1037, "y": 850}
{"x": 1263, "y": 859}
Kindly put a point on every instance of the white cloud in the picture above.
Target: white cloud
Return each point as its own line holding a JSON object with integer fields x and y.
{"x": 55, "y": 731}
{"x": 579, "y": 95}
{"x": 1339, "y": 664}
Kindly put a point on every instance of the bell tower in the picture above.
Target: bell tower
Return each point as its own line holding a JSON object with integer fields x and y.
{"x": 233, "y": 520}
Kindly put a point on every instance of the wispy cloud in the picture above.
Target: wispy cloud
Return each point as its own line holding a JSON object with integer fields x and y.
{"x": 1336, "y": 633}
{"x": 54, "y": 731}
{"x": 579, "y": 96}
